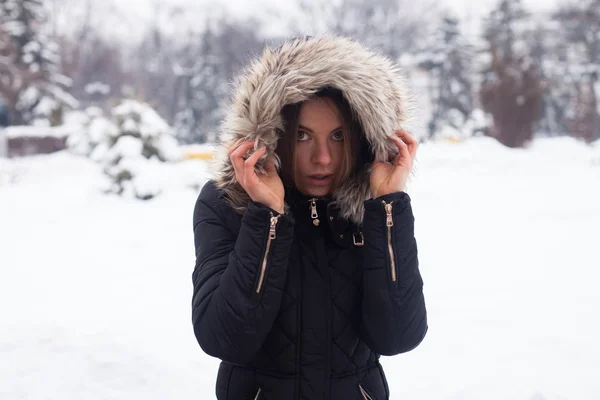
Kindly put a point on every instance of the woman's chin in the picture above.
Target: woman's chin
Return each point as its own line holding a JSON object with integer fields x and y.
{"x": 316, "y": 191}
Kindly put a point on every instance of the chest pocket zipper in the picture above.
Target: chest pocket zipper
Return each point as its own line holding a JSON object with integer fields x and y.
{"x": 257, "y": 397}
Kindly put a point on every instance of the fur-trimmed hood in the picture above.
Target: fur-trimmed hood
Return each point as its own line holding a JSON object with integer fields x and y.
{"x": 293, "y": 72}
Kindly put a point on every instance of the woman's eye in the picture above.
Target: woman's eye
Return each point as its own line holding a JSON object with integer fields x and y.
{"x": 302, "y": 136}
{"x": 339, "y": 135}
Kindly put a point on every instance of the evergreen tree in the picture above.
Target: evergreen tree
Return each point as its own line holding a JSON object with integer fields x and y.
{"x": 41, "y": 92}
{"x": 207, "y": 64}
{"x": 580, "y": 22}
{"x": 204, "y": 89}
{"x": 9, "y": 76}
{"x": 548, "y": 52}
{"x": 448, "y": 58}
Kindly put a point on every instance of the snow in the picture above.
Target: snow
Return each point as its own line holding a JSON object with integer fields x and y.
{"x": 14, "y": 28}
{"x": 141, "y": 118}
{"x": 95, "y": 290}
{"x": 38, "y": 131}
{"x": 45, "y": 106}
{"x": 125, "y": 147}
{"x": 97, "y": 88}
{"x": 93, "y": 129}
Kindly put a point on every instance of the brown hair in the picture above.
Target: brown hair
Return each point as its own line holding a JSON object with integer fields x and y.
{"x": 353, "y": 141}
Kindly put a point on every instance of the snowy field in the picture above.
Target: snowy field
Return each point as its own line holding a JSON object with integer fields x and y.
{"x": 95, "y": 291}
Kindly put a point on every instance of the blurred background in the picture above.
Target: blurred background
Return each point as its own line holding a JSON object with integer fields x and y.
{"x": 109, "y": 113}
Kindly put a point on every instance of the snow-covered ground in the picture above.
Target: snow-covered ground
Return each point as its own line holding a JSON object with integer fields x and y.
{"x": 95, "y": 290}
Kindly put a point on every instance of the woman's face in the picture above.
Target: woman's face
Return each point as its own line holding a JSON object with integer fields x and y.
{"x": 319, "y": 148}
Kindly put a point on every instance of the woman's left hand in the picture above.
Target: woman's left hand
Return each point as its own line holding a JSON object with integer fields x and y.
{"x": 390, "y": 177}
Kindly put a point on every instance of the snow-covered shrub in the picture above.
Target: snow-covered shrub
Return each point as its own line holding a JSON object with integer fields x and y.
{"x": 129, "y": 153}
{"x": 131, "y": 144}
{"x": 94, "y": 129}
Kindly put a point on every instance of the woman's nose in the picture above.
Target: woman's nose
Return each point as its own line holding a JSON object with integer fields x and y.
{"x": 322, "y": 154}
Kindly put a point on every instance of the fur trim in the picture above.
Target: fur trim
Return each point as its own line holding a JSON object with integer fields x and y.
{"x": 292, "y": 73}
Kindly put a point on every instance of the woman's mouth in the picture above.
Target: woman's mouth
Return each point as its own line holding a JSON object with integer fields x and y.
{"x": 321, "y": 179}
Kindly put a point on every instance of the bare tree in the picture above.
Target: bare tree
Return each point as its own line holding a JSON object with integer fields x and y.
{"x": 154, "y": 78}
{"x": 513, "y": 98}
{"x": 511, "y": 91}
{"x": 391, "y": 26}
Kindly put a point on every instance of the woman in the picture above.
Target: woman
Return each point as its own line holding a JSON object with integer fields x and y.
{"x": 306, "y": 263}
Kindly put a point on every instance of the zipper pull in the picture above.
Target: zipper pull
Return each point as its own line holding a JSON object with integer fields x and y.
{"x": 274, "y": 220}
{"x": 313, "y": 212}
{"x": 388, "y": 212}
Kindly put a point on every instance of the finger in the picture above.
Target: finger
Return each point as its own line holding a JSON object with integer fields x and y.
{"x": 410, "y": 141}
{"x": 402, "y": 147}
{"x": 239, "y": 151}
{"x": 413, "y": 144}
{"x": 250, "y": 163}
{"x": 233, "y": 146}
{"x": 253, "y": 159}
{"x": 237, "y": 159}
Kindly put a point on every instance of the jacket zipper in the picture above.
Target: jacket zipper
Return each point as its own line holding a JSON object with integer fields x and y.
{"x": 366, "y": 395}
{"x": 313, "y": 212}
{"x": 258, "y": 394}
{"x": 272, "y": 235}
{"x": 389, "y": 222}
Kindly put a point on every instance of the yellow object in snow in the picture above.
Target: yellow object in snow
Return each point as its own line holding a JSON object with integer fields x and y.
{"x": 202, "y": 155}
{"x": 453, "y": 139}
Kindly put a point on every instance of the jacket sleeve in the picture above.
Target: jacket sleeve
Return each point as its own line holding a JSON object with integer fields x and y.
{"x": 394, "y": 318}
{"x": 233, "y": 306}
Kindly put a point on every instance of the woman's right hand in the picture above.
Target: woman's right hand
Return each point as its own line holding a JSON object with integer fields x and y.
{"x": 266, "y": 189}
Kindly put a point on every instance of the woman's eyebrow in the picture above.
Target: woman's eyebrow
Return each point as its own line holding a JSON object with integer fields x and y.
{"x": 305, "y": 128}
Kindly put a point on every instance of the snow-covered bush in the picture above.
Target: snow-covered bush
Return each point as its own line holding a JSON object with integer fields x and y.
{"x": 142, "y": 139}
{"x": 131, "y": 144}
{"x": 94, "y": 129}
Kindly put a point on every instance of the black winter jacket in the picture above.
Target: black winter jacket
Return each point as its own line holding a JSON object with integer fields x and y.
{"x": 298, "y": 311}
{"x": 295, "y": 308}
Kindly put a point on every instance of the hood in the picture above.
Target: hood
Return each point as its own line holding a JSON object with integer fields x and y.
{"x": 291, "y": 73}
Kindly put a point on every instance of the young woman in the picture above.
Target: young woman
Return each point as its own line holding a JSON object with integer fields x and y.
{"x": 306, "y": 262}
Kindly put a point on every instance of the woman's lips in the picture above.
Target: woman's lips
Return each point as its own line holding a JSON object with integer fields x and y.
{"x": 320, "y": 179}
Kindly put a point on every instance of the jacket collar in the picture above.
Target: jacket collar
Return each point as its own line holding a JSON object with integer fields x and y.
{"x": 324, "y": 213}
